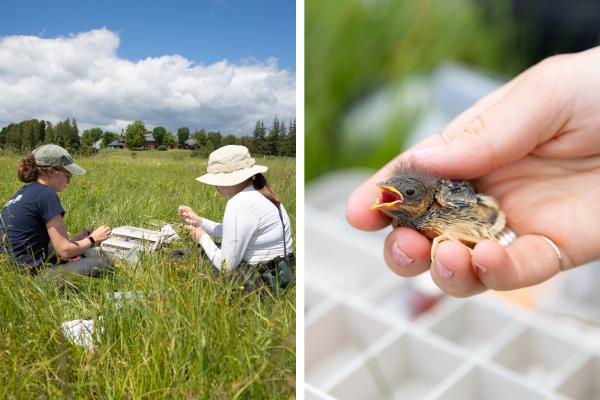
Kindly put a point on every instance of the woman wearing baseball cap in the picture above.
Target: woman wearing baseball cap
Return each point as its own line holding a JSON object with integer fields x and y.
{"x": 32, "y": 227}
{"x": 256, "y": 234}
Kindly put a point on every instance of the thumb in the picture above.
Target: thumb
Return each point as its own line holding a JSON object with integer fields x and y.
{"x": 501, "y": 128}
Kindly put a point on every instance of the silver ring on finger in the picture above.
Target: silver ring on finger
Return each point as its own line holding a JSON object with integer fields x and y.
{"x": 506, "y": 237}
{"x": 561, "y": 263}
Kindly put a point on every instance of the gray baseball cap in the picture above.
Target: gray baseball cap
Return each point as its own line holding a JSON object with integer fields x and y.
{"x": 51, "y": 155}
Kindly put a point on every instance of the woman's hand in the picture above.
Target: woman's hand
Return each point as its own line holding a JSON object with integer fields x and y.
{"x": 195, "y": 232}
{"x": 101, "y": 233}
{"x": 534, "y": 144}
{"x": 64, "y": 247}
{"x": 188, "y": 215}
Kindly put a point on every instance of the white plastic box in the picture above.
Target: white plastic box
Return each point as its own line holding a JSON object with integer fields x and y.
{"x": 126, "y": 242}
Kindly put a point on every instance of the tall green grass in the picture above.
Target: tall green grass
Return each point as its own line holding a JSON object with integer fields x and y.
{"x": 193, "y": 335}
{"x": 355, "y": 48}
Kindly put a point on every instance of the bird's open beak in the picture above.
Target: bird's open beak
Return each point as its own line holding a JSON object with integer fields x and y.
{"x": 390, "y": 197}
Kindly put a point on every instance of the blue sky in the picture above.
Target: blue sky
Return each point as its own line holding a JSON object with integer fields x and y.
{"x": 219, "y": 65}
{"x": 203, "y": 31}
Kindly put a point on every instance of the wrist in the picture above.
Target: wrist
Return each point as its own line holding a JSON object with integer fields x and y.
{"x": 92, "y": 240}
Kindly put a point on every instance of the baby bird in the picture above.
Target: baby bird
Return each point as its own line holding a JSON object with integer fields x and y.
{"x": 441, "y": 208}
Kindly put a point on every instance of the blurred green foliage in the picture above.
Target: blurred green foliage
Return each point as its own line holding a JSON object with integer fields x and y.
{"x": 355, "y": 48}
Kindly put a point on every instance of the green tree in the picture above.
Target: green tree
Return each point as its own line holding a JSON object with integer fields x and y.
{"x": 169, "y": 140}
{"x": 291, "y": 139}
{"x": 109, "y": 137}
{"x": 91, "y": 136}
{"x": 282, "y": 139}
{"x": 50, "y": 135}
{"x": 287, "y": 144}
{"x": 134, "y": 134}
{"x": 15, "y": 137}
{"x": 228, "y": 139}
{"x": 28, "y": 133}
{"x": 159, "y": 133}
{"x": 200, "y": 136}
{"x": 258, "y": 138}
{"x": 40, "y": 135}
{"x": 245, "y": 141}
{"x": 12, "y": 139}
{"x": 272, "y": 141}
{"x": 60, "y": 134}
{"x": 183, "y": 134}
{"x": 23, "y": 136}
{"x": 66, "y": 134}
{"x": 73, "y": 139}
{"x": 3, "y": 134}
{"x": 213, "y": 141}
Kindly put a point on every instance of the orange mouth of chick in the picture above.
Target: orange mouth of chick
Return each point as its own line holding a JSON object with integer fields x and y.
{"x": 388, "y": 198}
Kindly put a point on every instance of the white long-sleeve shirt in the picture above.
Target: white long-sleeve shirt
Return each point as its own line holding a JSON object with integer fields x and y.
{"x": 251, "y": 231}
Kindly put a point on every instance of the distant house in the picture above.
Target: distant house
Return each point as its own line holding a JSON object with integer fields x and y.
{"x": 97, "y": 144}
{"x": 190, "y": 144}
{"x": 149, "y": 141}
{"x": 115, "y": 144}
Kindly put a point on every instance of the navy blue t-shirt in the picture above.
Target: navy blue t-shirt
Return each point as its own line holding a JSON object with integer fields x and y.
{"x": 23, "y": 228}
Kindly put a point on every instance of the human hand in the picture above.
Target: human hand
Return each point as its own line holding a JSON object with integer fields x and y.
{"x": 101, "y": 233}
{"x": 533, "y": 144}
{"x": 188, "y": 215}
{"x": 195, "y": 232}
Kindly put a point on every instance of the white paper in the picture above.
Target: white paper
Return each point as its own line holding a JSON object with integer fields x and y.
{"x": 81, "y": 332}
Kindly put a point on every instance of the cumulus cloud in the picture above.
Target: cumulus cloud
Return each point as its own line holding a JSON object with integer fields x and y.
{"x": 82, "y": 77}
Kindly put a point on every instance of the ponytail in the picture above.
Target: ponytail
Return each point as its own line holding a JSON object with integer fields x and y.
{"x": 28, "y": 171}
{"x": 259, "y": 182}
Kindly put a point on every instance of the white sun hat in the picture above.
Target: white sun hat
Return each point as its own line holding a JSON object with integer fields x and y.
{"x": 230, "y": 165}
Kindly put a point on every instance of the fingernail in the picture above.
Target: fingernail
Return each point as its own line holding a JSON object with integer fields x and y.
{"x": 443, "y": 272}
{"x": 480, "y": 268}
{"x": 428, "y": 152}
{"x": 399, "y": 256}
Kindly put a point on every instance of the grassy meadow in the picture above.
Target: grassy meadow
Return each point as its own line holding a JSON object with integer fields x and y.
{"x": 194, "y": 336}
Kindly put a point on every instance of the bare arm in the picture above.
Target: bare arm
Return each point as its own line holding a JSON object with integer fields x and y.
{"x": 66, "y": 248}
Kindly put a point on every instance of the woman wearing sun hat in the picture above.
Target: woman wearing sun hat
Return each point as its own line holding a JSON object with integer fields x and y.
{"x": 256, "y": 231}
{"x": 32, "y": 227}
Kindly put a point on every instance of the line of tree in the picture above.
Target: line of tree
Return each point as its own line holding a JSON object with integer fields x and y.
{"x": 27, "y": 135}
{"x": 276, "y": 141}
{"x": 24, "y": 136}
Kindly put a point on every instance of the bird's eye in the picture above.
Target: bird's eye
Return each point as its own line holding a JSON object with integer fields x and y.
{"x": 410, "y": 192}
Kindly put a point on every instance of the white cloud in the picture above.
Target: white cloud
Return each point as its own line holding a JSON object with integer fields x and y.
{"x": 82, "y": 77}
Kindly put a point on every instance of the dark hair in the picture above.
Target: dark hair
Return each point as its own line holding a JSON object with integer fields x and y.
{"x": 29, "y": 171}
{"x": 259, "y": 182}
